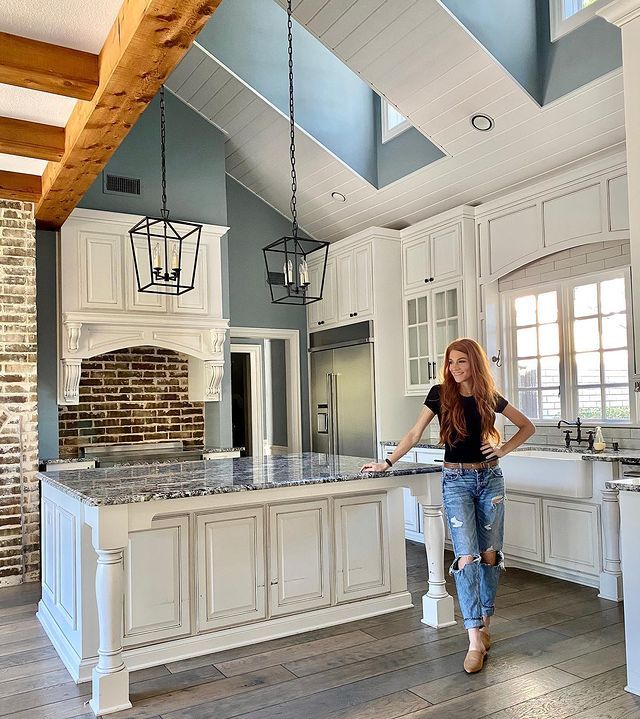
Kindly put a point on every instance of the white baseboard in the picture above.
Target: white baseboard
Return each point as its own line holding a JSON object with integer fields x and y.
{"x": 222, "y": 639}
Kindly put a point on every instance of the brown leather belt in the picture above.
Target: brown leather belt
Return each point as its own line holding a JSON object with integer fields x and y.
{"x": 471, "y": 465}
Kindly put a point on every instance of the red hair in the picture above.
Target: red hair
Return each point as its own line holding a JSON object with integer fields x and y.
{"x": 452, "y": 422}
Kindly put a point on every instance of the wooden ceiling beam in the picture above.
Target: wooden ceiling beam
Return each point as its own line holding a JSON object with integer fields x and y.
{"x": 147, "y": 40}
{"x": 18, "y": 186}
{"x": 49, "y": 68}
{"x": 31, "y": 139}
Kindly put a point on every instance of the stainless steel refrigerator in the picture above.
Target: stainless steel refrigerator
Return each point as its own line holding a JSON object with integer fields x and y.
{"x": 343, "y": 399}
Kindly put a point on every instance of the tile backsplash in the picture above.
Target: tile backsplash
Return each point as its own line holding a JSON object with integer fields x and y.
{"x": 626, "y": 437}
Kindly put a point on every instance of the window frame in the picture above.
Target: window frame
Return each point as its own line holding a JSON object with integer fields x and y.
{"x": 559, "y": 26}
{"x": 388, "y": 133}
{"x": 568, "y": 369}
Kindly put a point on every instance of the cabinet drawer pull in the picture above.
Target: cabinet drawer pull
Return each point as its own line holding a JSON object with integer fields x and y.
{"x": 438, "y": 461}
{"x": 429, "y": 369}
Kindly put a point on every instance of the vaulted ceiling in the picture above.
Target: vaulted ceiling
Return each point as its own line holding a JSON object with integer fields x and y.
{"x": 417, "y": 55}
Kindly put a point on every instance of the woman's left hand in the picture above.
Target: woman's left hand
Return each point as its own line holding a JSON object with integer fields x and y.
{"x": 491, "y": 452}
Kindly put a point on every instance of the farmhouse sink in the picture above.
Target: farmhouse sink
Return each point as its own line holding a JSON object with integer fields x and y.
{"x": 555, "y": 474}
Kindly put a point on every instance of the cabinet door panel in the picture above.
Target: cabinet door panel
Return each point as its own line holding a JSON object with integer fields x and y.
{"x": 522, "y": 527}
{"x": 231, "y": 575}
{"x": 446, "y": 254}
{"x": 411, "y": 518}
{"x": 362, "y": 547}
{"x": 416, "y": 262}
{"x": 344, "y": 274}
{"x": 135, "y": 300}
{"x": 156, "y": 569}
{"x": 329, "y": 305}
{"x": 195, "y": 301}
{"x": 362, "y": 281}
{"x": 571, "y": 536}
{"x": 300, "y": 557}
{"x": 100, "y": 271}
{"x": 315, "y": 279}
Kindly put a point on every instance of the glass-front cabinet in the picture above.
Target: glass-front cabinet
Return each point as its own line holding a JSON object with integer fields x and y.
{"x": 432, "y": 321}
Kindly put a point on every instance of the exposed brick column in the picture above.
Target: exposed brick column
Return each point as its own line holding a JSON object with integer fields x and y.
{"x": 19, "y": 505}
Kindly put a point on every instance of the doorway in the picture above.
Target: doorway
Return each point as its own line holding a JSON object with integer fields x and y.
{"x": 247, "y": 399}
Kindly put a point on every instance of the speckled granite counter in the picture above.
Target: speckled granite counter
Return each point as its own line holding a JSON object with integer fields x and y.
{"x": 146, "y": 483}
{"x": 631, "y": 484}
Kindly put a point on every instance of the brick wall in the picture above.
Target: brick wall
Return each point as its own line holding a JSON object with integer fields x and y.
{"x": 132, "y": 395}
{"x": 19, "y": 497}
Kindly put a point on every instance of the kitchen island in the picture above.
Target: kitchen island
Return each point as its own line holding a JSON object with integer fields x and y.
{"x": 146, "y": 565}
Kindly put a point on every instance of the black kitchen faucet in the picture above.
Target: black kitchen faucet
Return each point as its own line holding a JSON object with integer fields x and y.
{"x": 578, "y": 439}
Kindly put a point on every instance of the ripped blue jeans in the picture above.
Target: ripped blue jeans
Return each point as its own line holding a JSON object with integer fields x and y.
{"x": 474, "y": 505}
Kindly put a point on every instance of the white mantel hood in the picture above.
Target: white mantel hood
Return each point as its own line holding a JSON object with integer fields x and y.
{"x": 102, "y": 311}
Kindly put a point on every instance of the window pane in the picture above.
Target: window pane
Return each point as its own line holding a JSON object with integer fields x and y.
{"x": 441, "y": 336}
{"x": 413, "y": 342}
{"x": 585, "y": 300}
{"x": 440, "y": 306}
{"x": 424, "y": 371}
{"x": 585, "y": 335}
{"x": 588, "y": 367}
{"x": 411, "y": 312}
{"x": 423, "y": 340}
{"x": 612, "y": 297}
{"x": 616, "y": 367}
{"x": 452, "y": 330}
{"x": 547, "y": 307}
{"x": 551, "y": 403}
{"x": 550, "y": 371}
{"x": 589, "y": 403}
{"x": 528, "y": 373}
{"x": 528, "y": 402}
{"x": 617, "y": 403}
{"x": 394, "y": 118}
{"x": 452, "y": 303}
{"x": 614, "y": 331}
{"x": 525, "y": 310}
{"x": 527, "y": 342}
{"x": 422, "y": 309}
{"x": 413, "y": 371}
{"x": 548, "y": 339}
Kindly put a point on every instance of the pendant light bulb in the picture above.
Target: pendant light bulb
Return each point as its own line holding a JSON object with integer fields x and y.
{"x": 175, "y": 260}
{"x": 303, "y": 274}
{"x": 157, "y": 260}
{"x": 287, "y": 268}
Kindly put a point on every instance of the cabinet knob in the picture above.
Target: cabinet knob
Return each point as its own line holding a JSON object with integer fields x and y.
{"x": 426, "y": 279}
{"x": 430, "y": 279}
{"x": 355, "y": 314}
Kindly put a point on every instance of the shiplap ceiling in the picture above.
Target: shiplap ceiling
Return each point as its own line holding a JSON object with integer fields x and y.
{"x": 419, "y": 57}
{"x": 77, "y": 24}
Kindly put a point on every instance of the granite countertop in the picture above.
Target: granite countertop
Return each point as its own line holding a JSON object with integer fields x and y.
{"x": 631, "y": 484}
{"x": 146, "y": 483}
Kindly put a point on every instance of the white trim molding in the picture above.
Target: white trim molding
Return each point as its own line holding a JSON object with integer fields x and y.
{"x": 620, "y": 12}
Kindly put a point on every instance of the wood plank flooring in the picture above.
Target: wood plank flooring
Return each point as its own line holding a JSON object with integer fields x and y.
{"x": 558, "y": 653}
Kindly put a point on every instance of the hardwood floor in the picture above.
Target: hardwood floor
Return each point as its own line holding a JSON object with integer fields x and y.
{"x": 558, "y": 652}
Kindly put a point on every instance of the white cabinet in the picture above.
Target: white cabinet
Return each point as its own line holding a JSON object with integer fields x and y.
{"x": 431, "y": 321}
{"x": 156, "y": 570}
{"x": 230, "y": 548}
{"x": 523, "y": 527}
{"x": 432, "y": 257}
{"x": 354, "y": 284}
{"x": 362, "y": 547}
{"x": 571, "y": 536}
{"x": 100, "y": 270}
{"x": 195, "y": 301}
{"x": 300, "y": 557}
{"x": 324, "y": 312}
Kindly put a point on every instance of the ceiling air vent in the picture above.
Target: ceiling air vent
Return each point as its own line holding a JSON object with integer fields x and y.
{"x": 118, "y": 185}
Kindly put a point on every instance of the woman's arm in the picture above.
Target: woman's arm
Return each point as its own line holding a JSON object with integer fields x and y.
{"x": 409, "y": 441}
{"x": 525, "y": 427}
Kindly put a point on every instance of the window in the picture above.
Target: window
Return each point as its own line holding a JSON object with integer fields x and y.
{"x": 393, "y": 123}
{"x": 569, "y": 344}
{"x": 567, "y": 15}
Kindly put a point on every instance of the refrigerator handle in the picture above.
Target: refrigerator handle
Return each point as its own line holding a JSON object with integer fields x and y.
{"x": 331, "y": 418}
{"x": 334, "y": 410}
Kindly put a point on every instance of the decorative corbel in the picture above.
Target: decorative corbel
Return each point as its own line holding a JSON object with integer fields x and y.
{"x": 71, "y": 369}
{"x": 73, "y": 335}
{"x": 213, "y": 372}
{"x": 216, "y": 338}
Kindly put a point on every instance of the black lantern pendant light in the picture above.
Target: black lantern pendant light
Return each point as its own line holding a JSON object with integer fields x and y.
{"x": 286, "y": 259}
{"x": 162, "y": 249}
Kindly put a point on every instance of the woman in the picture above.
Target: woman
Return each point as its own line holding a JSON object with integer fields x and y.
{"x": 472, "y": 483}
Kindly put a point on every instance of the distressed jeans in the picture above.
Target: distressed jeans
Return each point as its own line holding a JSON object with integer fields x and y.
{"x": 473, "y": 502}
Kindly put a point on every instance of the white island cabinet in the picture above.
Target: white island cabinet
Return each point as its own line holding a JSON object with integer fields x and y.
{"x": 150, "y": 564}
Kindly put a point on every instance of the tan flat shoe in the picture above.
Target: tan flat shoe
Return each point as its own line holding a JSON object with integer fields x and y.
{"x": 474, "y": 661}
{"x": 486, "y": 638}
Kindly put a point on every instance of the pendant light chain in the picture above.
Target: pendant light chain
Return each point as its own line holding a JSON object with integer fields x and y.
{"x": 292, "y": 127}
{"x": 163, "y": 151}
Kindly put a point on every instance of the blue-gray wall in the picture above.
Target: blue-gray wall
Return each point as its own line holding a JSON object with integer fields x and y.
{"x": 403, "y": 154}
{"x": 332, "y": 103}
{"x": 254, "y": 225}
{"x": 46, "y": 309}
{"x": 577, "y": 58}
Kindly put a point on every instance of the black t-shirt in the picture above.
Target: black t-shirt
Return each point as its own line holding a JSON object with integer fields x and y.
{"x": 466, "y": 449}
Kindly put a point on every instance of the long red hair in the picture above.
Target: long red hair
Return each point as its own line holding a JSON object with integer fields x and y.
{"x": 452, "y": 423}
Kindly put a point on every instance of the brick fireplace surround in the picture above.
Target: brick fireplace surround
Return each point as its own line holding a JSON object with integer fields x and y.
{"x": 19, "y": 496}
{"x": 138, "y": 394}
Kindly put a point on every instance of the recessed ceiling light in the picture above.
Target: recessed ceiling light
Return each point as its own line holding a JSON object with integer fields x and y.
{"x": 338, "y": 197}
{"x": 482, "y": 122}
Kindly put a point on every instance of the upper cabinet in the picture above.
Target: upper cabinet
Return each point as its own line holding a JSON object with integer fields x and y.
{"x": 432, "y": 257}
{"x": 324, "y": 312}
{"x": 354, "y": 284}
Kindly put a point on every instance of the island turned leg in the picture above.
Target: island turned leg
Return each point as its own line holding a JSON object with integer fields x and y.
{"x": 611, "y": 575}
{"x": 110, "y": 678}
{"x": 437, "y": 603}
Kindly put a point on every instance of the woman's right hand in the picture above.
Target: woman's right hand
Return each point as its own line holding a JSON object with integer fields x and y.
{"x": 375, "y": 467}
